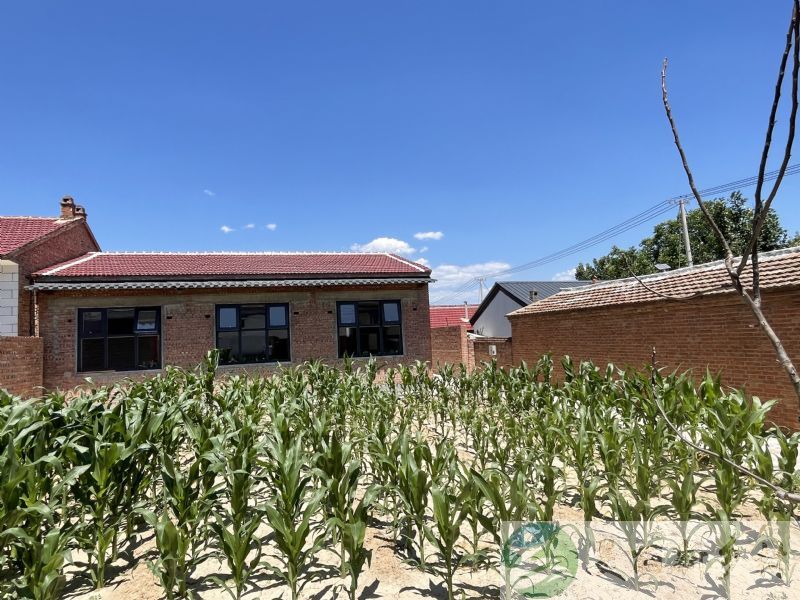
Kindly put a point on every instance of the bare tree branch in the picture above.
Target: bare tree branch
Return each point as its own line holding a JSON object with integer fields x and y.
{"x": 753, "y": 302}
{"x": 695, "y": 192}
{"x": 761, "y": 209}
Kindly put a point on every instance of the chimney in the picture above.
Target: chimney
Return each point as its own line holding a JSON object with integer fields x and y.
{"x": 533, "y": 295}
{"x": 67, "y": 207}
{"x": 80, "y": 212}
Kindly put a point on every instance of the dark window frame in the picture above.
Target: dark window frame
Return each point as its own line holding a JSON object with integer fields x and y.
{"x": 104, "y": 335}
{"x": 381, "y": 326}
{"x": 266, "y": 329}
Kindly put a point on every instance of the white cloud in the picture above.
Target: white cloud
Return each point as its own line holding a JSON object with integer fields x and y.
{"x": 422, "y": 261}
{"x": 209, "y": 193}
{"x": 226, "y": 229}
{"x": 568, "y": 275}
{"x": 250, "y": 226}
{"x": 429, "y": 235}
{"x": 423, "y": 250}
{"x": 272, "y": 226}
{"x": 449, "y": 278}
{"x": 385, "y": 244}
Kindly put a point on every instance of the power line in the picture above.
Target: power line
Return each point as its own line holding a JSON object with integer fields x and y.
{"x": 648, "y": 215}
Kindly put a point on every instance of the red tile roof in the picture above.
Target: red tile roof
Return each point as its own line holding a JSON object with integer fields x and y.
{"x": 16, "y": 232}
{"x": 208, "y": 265}
{"x": 779, "y": 268}
{"x": 447, "y": 316}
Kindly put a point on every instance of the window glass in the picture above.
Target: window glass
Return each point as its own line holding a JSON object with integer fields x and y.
{"x": 279, "y": 344}
{"x": 348, "y": 342}
{"x": 252, "y": 316}
{"x": 228, "y": 344}
{"x": 347, "y": 314}
{"x": 121, "y": 353}
{"x": 119, "y": 339}
{"x": 253, "y": 333}
{"x": 392, "y": 340}
{"x": 391, "y": 312}
{"x": 92, "y": 323}
{"x": 370, "y": 339}
{"x": 254, "y": 346}
{"x": 277, "y": 316}
{"x": 120, "y": 321}
{"x": 148, "y": 352}
{"x": 93, "y": 354}
{"x": 227, "y": 317}
{"x": 369, "y": 313}
{"x": 146, "y": 320}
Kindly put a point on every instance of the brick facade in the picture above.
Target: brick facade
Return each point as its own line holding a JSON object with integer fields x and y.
{"x": 21, "y": 365}
{"x": 716, "y": 332}
{"x": 451, "y": 345}
{"x": 188, "y": 324}
{"x": 502, "y": 347}
{"x": 68, "y": 241}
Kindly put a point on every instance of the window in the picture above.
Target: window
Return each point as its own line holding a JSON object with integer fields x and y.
{"x": 370, "y": 328}
{"x": 119, "y": 339}
{"x": 253, "y": 333}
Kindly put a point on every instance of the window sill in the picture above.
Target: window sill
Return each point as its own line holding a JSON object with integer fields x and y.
{"x": 130, "y": 371}
{"x": 375, "y": 356}
{"x": 274, "y": 363}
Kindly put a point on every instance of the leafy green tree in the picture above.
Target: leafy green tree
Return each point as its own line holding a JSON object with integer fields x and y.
{"x": 665, "y": 246}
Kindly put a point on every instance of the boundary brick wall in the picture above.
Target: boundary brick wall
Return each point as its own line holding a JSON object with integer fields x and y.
{"x": 21, "y": 365}
{"x": 188, "y": 328}
{"x": 450, "y": 345}
{"x": 502, "y": 345}
{"x": 716, "y": 332}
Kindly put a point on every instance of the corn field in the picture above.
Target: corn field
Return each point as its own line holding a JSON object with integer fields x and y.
{"x": 263, "y": 474}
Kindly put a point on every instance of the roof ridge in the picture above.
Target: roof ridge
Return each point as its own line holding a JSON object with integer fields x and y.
{"x": 33, "y": 217}
{"x": 410, "y": 263}
{"x": 71, "y": 263}
{"x": 241, "y": 253}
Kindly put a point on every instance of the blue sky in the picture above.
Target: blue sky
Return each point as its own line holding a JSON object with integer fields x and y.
{"x": 512, "y": 128}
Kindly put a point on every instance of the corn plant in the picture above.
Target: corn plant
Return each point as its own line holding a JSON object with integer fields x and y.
{"x": 339, "y": 473}
{"x": 446, "y": 532}
{"x": 235, "y": 525}
{"x": 414, "y": 488}
{"x": 290, "y": 514}
{"x": 352, "y": 531}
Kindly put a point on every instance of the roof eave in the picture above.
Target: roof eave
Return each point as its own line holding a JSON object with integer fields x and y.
{"x": 62, "y": 285}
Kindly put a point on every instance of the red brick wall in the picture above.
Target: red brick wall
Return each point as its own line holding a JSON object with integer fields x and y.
{"x": 718, "y": 332}
{"x": 502, "y": 345}
{"x": 69, "y": 241}
{"x": 188, "y": 329}
{"x": 450, "y": 345}
{"x": 21, "y": 365}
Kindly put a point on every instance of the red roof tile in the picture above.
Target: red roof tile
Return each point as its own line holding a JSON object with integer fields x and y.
{"x": 206, "y": 265}
{"x": 16, "y": 232}
{"x": 447, "y": 316}
{"x": 779, "y": 268}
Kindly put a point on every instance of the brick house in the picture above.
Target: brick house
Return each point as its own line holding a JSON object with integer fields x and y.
{"x": 622, "y": 321}
{"x": 28, "y": 244}
{"x": 107, "y": 315}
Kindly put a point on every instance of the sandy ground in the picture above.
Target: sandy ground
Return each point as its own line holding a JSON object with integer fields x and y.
{"x": 606, "y": 573}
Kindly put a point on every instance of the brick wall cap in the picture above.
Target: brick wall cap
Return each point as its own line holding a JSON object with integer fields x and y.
{"x": 778, "y": 269}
